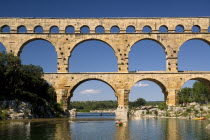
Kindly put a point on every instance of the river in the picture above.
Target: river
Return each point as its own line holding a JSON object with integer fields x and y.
{"x": 92, "y": 126}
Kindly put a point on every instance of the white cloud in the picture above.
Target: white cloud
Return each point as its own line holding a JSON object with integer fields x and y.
{"x": 90, "y": 91}
{"x": 141, "y": 84}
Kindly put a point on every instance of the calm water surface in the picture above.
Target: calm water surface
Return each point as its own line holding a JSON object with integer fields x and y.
{"x": 95, "y": 127}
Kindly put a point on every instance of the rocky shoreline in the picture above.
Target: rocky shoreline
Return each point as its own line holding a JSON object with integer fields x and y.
{"x": 189, "y": 111}
{"x": 12, "y": 109}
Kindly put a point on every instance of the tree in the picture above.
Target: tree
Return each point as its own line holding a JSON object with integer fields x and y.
{"x": 200, "y": 93}
{"x": 140, "y": 102}
{"x": 185, "y": 95}
{"x": 25, "y": 83}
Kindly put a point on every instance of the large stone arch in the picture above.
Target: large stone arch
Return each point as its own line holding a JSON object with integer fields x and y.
{"x": 157, "y": 81}
{"x": 79, "y": 41}
{"x": 148, "y": 39}
{"x": 161, "y": 82}
{"x": 82, "y": 80}
{"x": 202, "y": 78}
{"x": 78, "y": 83}
{"x": 106, "y": 42}
{"x": 22, "y": 45}
{"x": 206, "y": 40}
{"x": 133, "y": 42}
{"x": 186, "y": 40}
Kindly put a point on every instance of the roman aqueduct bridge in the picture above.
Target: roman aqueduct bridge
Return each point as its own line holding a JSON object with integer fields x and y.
{"x": 170, "y": 81}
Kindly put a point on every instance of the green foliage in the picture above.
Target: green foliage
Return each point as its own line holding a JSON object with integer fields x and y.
{"x": 198, "y": 93}
{"x": 185, "y": 95}
{"x": 87, "y": 106}
{"x": 138, "y": 103}
{"x": 156, "y": 113}
{"x": 3, "y": 114}
{"x": 162, "y": 106}
{"x": 188, "y": 110}
{"x": 25, "y": 83}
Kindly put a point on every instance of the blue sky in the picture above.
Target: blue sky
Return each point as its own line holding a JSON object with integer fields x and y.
{"x": 194, "y": 55}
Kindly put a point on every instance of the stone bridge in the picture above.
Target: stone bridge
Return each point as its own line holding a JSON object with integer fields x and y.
{"x": 170, "y": 81}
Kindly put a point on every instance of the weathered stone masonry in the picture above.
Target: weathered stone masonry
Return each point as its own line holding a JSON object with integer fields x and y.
{"x": 122, "y": 81}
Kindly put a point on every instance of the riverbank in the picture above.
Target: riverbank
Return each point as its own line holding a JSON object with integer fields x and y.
{"x": 13, "y": 109}
{"x": 190, "y": 111}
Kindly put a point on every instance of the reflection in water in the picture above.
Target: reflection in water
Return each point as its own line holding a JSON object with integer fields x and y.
{"x": 104, "y": 129}
{"x": 62, "y": 130}
{"x": 18, "y": 130}
{"x": 123, "y": 132}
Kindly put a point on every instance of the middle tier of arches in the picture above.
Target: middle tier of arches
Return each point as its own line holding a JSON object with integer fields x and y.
{"x": 120, "y": 46}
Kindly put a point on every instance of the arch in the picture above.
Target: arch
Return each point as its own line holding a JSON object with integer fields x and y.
{"x": 141, "y": 83}
{"x": 147, "y": 29}
{"x": 43, "y": 51}
{"x": 89, "y": 79}
{"x": 196, "y": 29}
{"x": 69, "y": 29}
{"x": 22, "y": 29}
{"x": 30, "y": 40}
{"x": 110, "y": 67}
{"x": 156, "y": 81}
{"x": 136, "y": 49}
{"x": 85, "y": 29}
{"x": 38, "y": 29}
{"x": 194, "y": 91}
{"x": 130, "y": 29}
{"x": 163, "y": 29}
{"x": 179, "y": 29}
{"x": 189, "y": 62}
{"x": 115, "y": 29}
{"x": 197, "y": 78}
{"x": 99, "y": 29}
{"x": 54, "y": 29}
{"x": 96, "y": 39}
{"x": 209, "y": 29}
{"x": 151, "y": 39}
{"x": 5, "y": 29}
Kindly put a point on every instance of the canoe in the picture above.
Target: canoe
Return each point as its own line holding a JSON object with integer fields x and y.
{"x": 201, "y": 118}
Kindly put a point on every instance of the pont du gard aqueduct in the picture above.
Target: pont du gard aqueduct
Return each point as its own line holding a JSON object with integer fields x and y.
{"x": 170, "y": 80}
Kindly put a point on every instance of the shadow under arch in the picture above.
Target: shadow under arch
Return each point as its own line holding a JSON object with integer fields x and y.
{"x": 31, "y": 40}
{"x": 113, "y": 51}
{"x": 71, "y": 91}
{"x": 159, "y": 55}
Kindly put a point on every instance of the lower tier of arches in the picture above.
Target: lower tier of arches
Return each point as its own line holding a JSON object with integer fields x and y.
{"x": 121, "y": 83}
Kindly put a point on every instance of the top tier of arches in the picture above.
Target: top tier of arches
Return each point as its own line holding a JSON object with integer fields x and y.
{"x": 105, "y": 25}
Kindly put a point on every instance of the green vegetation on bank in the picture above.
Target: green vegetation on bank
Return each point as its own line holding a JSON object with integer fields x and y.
{"x": 87, "y": 106}
{"x": 199, "y": 93}
{"x": 25, "y": 83}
